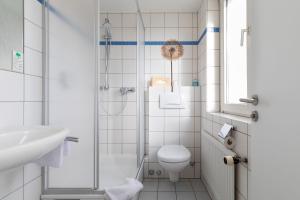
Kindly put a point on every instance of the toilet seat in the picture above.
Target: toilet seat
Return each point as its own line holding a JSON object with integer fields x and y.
{"x": 173, "y": 154}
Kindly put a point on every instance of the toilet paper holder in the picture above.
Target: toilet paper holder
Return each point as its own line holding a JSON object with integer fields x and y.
{"x": 233, "y": 160}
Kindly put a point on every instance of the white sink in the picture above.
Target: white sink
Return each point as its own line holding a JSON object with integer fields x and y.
{"x": 23, "y": 145}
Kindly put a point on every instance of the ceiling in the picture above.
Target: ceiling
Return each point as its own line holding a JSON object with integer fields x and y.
{"x": 150, "y": 5}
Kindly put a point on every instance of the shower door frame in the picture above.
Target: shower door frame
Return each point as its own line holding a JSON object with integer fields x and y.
{"x": 67, "y": 193}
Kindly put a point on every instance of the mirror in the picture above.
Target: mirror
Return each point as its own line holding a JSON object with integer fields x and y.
{"x": 11, "y": 35}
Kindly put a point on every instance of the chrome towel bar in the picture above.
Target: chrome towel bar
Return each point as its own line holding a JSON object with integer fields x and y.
{"x": 72, "y": 139}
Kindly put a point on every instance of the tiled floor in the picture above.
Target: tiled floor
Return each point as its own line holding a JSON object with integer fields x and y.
{"x": 163, "y": 189}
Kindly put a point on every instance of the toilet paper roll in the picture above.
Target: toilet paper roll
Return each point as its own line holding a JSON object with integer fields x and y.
{"x": 229, "y": 142}
{"x": 229, "y": 160}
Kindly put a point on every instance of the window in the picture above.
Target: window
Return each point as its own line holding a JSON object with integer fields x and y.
{"x": 234, "y": 56}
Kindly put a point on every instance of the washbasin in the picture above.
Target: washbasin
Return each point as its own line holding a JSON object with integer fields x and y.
{"x": 19, "y": 146}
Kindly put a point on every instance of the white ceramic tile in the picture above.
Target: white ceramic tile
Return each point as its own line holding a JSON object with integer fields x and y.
{"x": 186, "y": 79}
{"x": 150, "y": 186}
{"x": 32, "y": 36}
{"x": 157, "y": 66}
{"x": 195, "y": 20}
{"x": 11, "y": 114}
{"x": 32, "y": 190}
{"x": 148, "y": 196}
{"x": 114, "y": 148}
{"x": 185, "y": 34}
{"x": 186, "y": 66}
{"x": 156, "y": 123}
{"x": 171, "y": 20}
{"x": 186, "y": 196}
{"x": 166, "y": 196}
{"x": 115, "y": 80}
{"x": 10, "y": 180}
{"x": 32, "y": 113}
{"x": 11, "y": 86}
{"x": 130, "y": 109}
{"x": 129, "y": 34}
{"x": 129, "y": 136}
{"x": 116, "y": 52}
{"x": 114, "y": 122}
{"x": 129, "y": 20}
{"x": 185, "y": 20}
{"x": 157, "y": 20}
{"x": 213, "y": 19}
{"x": 129, "y": 122}
{"x": 187, "y": 139}
{"x": 202, "y": 196}
{"x": 17, "y": 195}
{"x": 171, "y": 138}
{"x": 33, "y": 62}
{"x": 171, "y": 33}
{"x": 146, "y": 19}
{"x": 115, "y": 20}
{"x": 129, "y": 148}
{"x": 157, "y": 34}
{"x": 188, "y": 172}
{"x": 154, "y": 110}
{"x": 187, "y": 124}
{"x": 155, "y": 52}
{"x": 183, "y": 186}
{"x": 129, "y": 52}
{"x": 129, "y": 66}
{"x": 213, "y": 5}
{"x": 172, "y": 124}
{"x": 129, "y": 80}
{"x": 156, "y": 139}
{"x": 115, "y": 67}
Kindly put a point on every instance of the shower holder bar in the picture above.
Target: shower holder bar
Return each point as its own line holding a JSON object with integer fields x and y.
{"x": 72, "y": 139}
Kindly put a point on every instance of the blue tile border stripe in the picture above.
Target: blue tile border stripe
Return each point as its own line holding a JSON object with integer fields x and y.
{"x": 160, "y": 43}
{"x": 124, "y": 43}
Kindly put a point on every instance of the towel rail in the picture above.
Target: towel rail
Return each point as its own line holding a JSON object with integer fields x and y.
{"x": 72, "y": 139}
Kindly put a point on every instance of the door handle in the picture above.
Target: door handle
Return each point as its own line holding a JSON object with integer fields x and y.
{"x": 253, "y": 100}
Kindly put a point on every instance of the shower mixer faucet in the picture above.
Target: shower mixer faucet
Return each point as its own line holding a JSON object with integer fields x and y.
{"x": 126, "y": 90}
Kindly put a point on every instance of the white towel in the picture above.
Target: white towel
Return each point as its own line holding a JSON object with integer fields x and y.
{"x": 124, "y": 192}
{"x": 171, "y": 100}
{"x": 55, "y": 158}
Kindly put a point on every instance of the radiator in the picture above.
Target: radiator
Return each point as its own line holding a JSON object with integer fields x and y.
{"x": 218, "y": 177}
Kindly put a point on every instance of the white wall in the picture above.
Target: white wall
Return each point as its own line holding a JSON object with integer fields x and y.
{"x": 21, "y": 104}
{"x": 118, "y": 133}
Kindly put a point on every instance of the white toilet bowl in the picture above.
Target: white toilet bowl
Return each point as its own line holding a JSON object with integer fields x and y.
{"x": 174, "y": 158}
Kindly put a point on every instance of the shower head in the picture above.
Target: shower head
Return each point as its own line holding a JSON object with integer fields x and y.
{"x": 107, "y": 29}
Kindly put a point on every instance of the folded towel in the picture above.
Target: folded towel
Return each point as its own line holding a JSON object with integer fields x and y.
{"x": 55, "y": 158}
{"x": 170, "y": 100}
{"x": 124, "y": 192}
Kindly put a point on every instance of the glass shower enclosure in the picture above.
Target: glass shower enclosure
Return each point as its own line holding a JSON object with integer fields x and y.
{"x": 109, "y": 122}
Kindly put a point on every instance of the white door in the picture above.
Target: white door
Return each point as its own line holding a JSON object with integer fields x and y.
{"x": 274, "y": 75}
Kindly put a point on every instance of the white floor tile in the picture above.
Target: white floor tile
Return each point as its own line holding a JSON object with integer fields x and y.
{"x": 150, "y": 186}
{"x": 166, "y": 196}
{"x": 186, "y": 196}
{"x": 184, "y": 186}
{"x": 202, "y": 196}
{"x": 198, "y": 185}
{"x": 166, "y": 186}
{"x": 148, "y": 196}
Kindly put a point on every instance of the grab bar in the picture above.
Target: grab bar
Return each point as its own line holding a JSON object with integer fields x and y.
{"x": 72, "y": 139}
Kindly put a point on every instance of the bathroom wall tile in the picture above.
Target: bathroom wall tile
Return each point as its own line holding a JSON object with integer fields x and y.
{"x": 156, "y": 139}
{"x": 129, "y": 136}
{"x": 116, "y": 52}
{"x": 117, "y": 34}
{"x": 129, "y": 34}
{"x": 114, "y": 148}
{"x": 32, "y": 36}
{"x": 146, "y": 19}
{"x": 129, "y": 80}
{"x": 115, "y": 67}
{"x": 157, "y": 34}
{"x": 115, "y": 20}
{"x": 129, "y": 66}
{"x": 171, "y": 138}
{"x": 115, "y": 80}
{"x": 157, "y": 66}
{"x": 11, "y": 114}
{"x": 17, "y": 195}
{"x": 172, "y": 124}
{"x": 129, "y": 148}
{"x": 156, "y": 124}
{"x": 33, "y": 64}
{"x": 171, "y": 33}
{"x": 186, "y": 66}
{"x": 129, "y": 20}
{"x": 10, "y": 180}
{"x": 130, "y": 109}
{"x": 185, "y": 34}
{"x": 187, "y": 139}
{"x": 154, "y": 110}
{"x": 157, "y": 20}
{"x": 11, "y": 86}
{"x": 32, "y": 113}
{"x": 171, "y": 20}
{"x": 129, "y": 52}
{"x": 32, "y": 190}
{"x": 185, "y": 20}
{"x": 129, "y": 122}
{"x": 213, "y": 19}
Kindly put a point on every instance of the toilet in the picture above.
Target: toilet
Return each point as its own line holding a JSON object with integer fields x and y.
{"x": 174, "y": 158}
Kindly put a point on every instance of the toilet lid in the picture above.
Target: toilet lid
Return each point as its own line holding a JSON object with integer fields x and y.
{"x": 173, "y": 153}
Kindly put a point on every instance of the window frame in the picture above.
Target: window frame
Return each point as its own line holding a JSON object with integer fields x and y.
{"x": 241, "y": 109}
